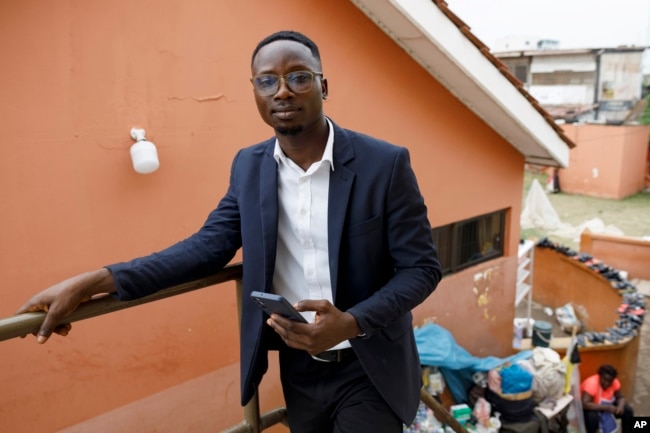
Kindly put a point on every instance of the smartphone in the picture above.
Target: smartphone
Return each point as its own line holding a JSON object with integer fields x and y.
{"x": 272, "y": 303}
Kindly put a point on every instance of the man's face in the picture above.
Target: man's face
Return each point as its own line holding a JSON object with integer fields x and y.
{"x": 289, "y": 113}
{"x": 606, "y": 381}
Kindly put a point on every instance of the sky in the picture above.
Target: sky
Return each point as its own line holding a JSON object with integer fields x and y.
{"x": 575, "y": 23}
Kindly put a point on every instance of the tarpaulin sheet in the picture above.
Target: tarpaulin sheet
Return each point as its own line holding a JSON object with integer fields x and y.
{"x": 539, "y": 213}
{"x": 438, "y": 348}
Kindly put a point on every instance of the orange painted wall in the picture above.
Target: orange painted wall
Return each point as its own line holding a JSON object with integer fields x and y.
{"x": 608, "y": 161}
{"x": 76, "y": 77}
{"x": 624, "y": 253}
{"x": 476, "y": 306}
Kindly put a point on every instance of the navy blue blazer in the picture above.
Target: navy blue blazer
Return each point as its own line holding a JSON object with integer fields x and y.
{"x": 382, "y": 257}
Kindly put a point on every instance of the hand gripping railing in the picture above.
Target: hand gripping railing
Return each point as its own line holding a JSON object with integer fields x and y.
{"x": 254, "y": 422}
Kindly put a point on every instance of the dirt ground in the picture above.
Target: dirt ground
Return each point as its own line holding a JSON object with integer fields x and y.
{"x": 632, "y": 216}
{"x": 640, "y": 401}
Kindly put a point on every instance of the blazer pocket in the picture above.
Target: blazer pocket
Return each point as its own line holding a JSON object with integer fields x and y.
{"x": 365, "y": 227}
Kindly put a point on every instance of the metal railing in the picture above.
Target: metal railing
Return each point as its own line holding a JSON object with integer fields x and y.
{"x": 253, "y": 422}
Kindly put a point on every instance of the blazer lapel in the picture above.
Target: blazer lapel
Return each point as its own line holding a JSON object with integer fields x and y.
{"x": 269, "y": 212}
{"x": 341, "y": 181}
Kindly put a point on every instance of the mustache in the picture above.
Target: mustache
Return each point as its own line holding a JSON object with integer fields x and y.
{"x": 285, "y": 107}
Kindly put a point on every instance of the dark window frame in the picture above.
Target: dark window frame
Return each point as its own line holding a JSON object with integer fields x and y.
{"x": 471, "y": 241}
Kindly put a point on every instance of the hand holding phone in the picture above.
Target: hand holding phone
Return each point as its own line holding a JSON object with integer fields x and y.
{"x": 272, "y": 303}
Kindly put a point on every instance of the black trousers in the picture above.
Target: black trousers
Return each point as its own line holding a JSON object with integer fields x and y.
{"x": 332, "y": 397}
{"x": 592, "y": 419}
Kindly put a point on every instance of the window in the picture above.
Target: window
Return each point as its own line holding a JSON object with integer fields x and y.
{"x": 466, "y": 243}
{"x": 559, "y": 78}
{"x": 521, "y": 72}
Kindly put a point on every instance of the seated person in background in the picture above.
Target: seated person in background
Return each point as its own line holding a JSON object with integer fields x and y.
{"x": 602, "y": 400}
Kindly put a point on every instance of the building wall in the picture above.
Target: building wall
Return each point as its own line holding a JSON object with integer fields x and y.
{"x": 620, "y": 77}
{"x": 560, "y": 94}
{"x": 79, "y": 75}
{"x": 608, "y": 161}
{"x": 610, "y": 77}
{"x": 547, "y": 63}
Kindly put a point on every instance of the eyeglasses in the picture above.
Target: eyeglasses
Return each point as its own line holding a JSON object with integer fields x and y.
{"x": 297, "y": 82}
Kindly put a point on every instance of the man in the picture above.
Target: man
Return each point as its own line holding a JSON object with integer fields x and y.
{"x": 602, "y": 402}
{"x": 329, "y": 218}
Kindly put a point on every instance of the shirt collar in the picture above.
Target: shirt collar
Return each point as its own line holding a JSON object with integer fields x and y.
{"x": 328, "y": 153}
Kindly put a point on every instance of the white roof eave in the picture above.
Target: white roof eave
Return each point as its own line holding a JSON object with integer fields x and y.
{"x": 437, "y": 44}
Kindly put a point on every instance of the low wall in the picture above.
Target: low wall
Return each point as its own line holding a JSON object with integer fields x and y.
{"x": 559, "y": 279}
{"x": 625, "y": 253}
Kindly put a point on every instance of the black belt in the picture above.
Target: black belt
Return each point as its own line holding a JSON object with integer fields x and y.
{"x": 342, "y": 355}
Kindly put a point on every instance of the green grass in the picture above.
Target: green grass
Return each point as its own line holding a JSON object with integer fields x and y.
{"x": 631, "y": 215}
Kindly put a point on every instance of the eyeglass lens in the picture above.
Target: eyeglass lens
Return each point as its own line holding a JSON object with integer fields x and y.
{"x": 298, "y": 82}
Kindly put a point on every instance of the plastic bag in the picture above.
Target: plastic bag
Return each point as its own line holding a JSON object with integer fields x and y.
{"x": 515, "y": 379}
{"x": 482, "y": 410}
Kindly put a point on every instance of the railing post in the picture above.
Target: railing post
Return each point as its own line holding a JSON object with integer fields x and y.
{"x": 252, "y": 414}
{"x": 440, "y": 412}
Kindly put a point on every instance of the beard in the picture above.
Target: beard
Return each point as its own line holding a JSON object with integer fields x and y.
{"x": 289, "y": 131}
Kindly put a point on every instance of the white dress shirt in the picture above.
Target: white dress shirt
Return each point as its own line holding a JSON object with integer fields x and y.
{"x": 302, "y": 268}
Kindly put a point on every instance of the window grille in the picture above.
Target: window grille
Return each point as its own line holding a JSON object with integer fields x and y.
{"x": 466, "y": 243}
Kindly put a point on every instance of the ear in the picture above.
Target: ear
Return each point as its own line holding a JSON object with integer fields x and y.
{"x": 323, "y": 85}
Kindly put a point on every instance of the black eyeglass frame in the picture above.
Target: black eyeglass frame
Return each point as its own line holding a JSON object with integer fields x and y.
{"x": 281, "y": 78}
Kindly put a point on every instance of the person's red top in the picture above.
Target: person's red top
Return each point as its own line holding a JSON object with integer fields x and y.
{"x": 591, "y": 386}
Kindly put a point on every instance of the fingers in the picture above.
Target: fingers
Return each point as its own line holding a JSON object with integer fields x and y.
{"x": 284, "y": 326}
{"x": 63, "y": 329}
{"x": 291, "y": 332}
{"x": 46, "y": 331}
{"x": 309, "y": 337}
{"x": 32, "y": 306}
{"x": 48, "y": 326}
{"x": 313, "y": 305}
{"x": 57, "y": 301}
{"x": 50, "y": 323}
{"x": 53, "y": 321}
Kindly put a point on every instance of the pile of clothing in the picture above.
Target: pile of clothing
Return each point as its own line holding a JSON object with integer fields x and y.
{"x": 509, "y": 392}
{"x": 516, "y": 389}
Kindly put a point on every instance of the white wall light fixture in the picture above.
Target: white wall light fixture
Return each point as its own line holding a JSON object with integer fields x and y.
{"x": 143, "y": 153}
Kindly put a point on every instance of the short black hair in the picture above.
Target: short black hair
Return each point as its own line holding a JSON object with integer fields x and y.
{"x": 288, "y": 35}
{"x": 608, "y": 370}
